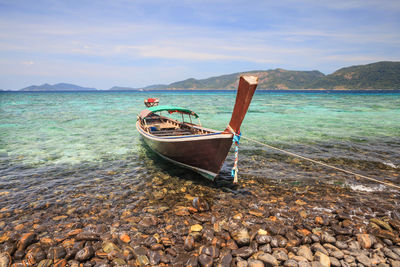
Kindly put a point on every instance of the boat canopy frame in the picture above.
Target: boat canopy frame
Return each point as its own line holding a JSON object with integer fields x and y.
{"x": 171, "y": 109}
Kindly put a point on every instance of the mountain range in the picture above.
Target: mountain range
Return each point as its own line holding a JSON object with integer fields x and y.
{"x": 379, "y": 75}
{"x": 57, "y": 87}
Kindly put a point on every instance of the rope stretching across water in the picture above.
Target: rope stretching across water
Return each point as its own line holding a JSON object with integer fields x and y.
{"x": 321, "y": 163}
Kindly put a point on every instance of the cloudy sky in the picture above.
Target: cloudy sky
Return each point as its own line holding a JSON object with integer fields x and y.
{"x": 141, "y": 42}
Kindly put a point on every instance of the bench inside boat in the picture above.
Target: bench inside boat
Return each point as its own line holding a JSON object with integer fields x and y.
{"x": 164, "y": 126}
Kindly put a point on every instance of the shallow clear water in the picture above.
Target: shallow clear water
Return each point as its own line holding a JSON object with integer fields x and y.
{"x": 55, "y": 144}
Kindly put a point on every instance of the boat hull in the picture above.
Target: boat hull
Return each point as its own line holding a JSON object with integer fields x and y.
{"x": 204, "y": 154}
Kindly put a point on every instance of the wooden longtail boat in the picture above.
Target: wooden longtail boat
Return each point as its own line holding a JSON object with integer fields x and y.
{"x": 191, "y": 145}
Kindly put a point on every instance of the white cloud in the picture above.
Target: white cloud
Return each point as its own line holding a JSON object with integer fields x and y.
{"x": 28, "y": 63}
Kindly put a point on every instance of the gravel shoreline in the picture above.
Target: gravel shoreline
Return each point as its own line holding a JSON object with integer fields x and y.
{"x": 183, "y": 223}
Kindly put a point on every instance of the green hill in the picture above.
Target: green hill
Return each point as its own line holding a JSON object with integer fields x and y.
{"x": 380, "y": 75}
{"x": 271, "y": 79}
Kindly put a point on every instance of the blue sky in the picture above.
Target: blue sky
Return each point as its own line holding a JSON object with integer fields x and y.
{"x": 137, "y": 43}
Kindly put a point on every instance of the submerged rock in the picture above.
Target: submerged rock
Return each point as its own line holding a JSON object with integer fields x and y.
{"x": 5, "y": 259}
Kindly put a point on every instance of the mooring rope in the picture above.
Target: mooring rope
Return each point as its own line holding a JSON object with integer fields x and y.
{"x": 235, "y": 140}
{"x": 321, "y": 163}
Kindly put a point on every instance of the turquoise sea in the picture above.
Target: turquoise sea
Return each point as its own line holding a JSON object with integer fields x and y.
{"x": 54, "y": 145}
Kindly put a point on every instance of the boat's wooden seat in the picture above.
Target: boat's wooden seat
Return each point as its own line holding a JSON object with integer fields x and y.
{"x": 173, "y": 132}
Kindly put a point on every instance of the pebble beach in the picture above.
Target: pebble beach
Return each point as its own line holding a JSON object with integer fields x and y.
{"x": 192, "y": 223}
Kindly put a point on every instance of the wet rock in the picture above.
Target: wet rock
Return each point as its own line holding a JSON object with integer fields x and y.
{"x": 142, "y": 260}
{"x": 208, "y": 235}
{"x": 322, "y": 258}
{"x": 276, "y": 229}
{"x": 118, "y": 262}
{"x": 225, "y": 260}
{"x": 165, "y": 258}
{"x": 148, "y": 221}
{"x": 47, "y": 243}
{"x": 109, "y": 246}
{"x": 395, "y": 224}
{"x": 196, "y": 228}
{"x": 241, "y": 263}
{"x": 171, "y": 251}
{"x": 60, "y": 263}
{"x": 263, "y": 239}
{"x": 231, "y": 244}
{"x": 327, "y": 238}
{"x": 274, "y": 242}
{"x": 189, "y": 243}
{"x": 268, "y": 259}
{"x": 396, "y": 250}
{"x": 166, "y": 241}
{"x": 85, "y": 253}
{"x": 290, "y": 263}
{"x": 149, "y": 241}
{"x": 318, "y": 247}
{"x": 181, "y": 211}
{"x": 157, "y": 247}
{"x": 385, "y": 234}
{"x": 241, "y": 236}
{"x": 391, "y": 254}
{"x": 381, "y": 223}
{"x": 316, "y": 264}
{"x": 306, "y": 240}
{"x": 35, "y": 255}
{"x": 305, "y": 252}
{"x": 365, "y": 240}
{"x": 87, "y": 236}
{"x": 349, "y": 259}
{"x": 315, "y": 238}
{"x": 73, "y": 263}
{"x": 254, "y": 263}
{"x": 265, "y": 248}
{"x": 243, "y": 252}
{"x": 192, "y": 261}
{"x": 45, "y": 263}
{"x": 205, "y": 260}
{"x": 125, "y": 238}
{"x": 341, "y": 245}
{"x": 55, "y": 253}
{"x": 338, "y": 254}
{"x": 304, "y": 264}
{"x": 19, "y": 254}
{"x": 282, "y": 242}
{"x": 280, "y": 255}
{"x": 5, "y": 259}
{"x": 363, "y": 259}
{"x": 138, "y": 251}
{"x": 354, "y": 245}
{"x": 9, "y": 247}
{"x": 341, "y": 231}
{"x": 154, "y": 257}
{"x": 25, "y": 241}
{"x": 335, "y": 262}
{"x": 200, "y": 204}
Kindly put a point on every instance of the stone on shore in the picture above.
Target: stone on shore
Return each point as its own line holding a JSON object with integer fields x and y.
{"x": 322, "y": 258}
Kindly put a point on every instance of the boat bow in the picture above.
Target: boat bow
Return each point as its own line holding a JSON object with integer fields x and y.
{"x": 245, "y": 92}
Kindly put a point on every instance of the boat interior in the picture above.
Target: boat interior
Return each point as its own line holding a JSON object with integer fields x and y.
{"x": 163, "y": 126}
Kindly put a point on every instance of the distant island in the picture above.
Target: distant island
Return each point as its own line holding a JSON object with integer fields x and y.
{"x": 57, "y": 87}
{"x": 380, "y": 75}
